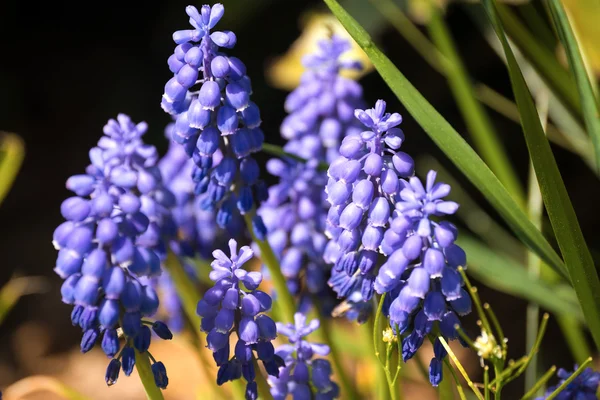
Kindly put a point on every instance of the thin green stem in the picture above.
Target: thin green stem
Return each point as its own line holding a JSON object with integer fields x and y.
{"x": 478, "y": 123}
{"x": 533, "y": 351}
{"x": 460, "y": 368}
{"x": 569, "y": 379}
{"x": 539, "y": 384}
{"x": 376, "y": 331}
{"x": 142, "y": 364}
{"x": 388, "y": 374}
{"x": 486, "y": 382}
{"x": 279, "y": 152}
{"x": 459, "y": 388}
{"x": 285, "y": 302}
{"x": 336, "y": 357}
{"x": 190, "y": 295}
{"x": 499, "y": 332}
{"x": 477, "y": 301}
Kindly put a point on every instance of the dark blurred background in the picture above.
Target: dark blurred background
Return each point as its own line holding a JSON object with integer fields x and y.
{"x": 66, "y": 68}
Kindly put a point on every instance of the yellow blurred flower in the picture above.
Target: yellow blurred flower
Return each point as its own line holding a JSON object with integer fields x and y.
{"x": 285, "y": 71}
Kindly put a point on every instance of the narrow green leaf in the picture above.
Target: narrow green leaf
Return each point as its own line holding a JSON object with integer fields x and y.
{"x": 505, "y": 274}
{"x": 543, "y": 60}
{"x": 591, "y": 115}
{"x": 12, "y": 152}
{"x": 478, "y": 123}
{"x": 450, "y": 141}
{"x": 562, "y": 216}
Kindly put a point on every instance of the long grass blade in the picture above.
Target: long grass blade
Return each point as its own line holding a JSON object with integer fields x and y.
{"x": 562, "y": 216}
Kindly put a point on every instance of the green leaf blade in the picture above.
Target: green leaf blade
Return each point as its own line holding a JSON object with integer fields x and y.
{"x": 475, "y": 116}
{"x": 578, "y": 259}
{"x": 589, "y": 105}
{"x": 451, "y": 143}
{"x": 501, "y": 272}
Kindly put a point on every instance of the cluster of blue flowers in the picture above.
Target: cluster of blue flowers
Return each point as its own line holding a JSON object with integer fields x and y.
{"x": 302, "y": 371}
{"x": 216, "y": 123}
{"x": 583, "y": 387}
{"x": 379, "y": 208}
{"x": 112, "y": 242}
{"x": 320, "y": 115}
{"x": 362, "y": 187}
{"x": 235, "y": 304}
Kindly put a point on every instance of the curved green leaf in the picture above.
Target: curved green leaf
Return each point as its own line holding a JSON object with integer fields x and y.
{"x": 562, "y": 216}
{"x": 591, "y": 114}
{"x": 505, "y": 274}
{"x": 451, "y": 143}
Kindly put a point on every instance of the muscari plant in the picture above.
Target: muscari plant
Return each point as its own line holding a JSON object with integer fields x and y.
{"x": 348, "y": 230}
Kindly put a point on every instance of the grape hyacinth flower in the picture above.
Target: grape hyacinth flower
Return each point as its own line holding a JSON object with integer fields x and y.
{"x": 321, "y": 108}
{"x": 112, "y": 242}
{"x": 303, "y": 376}
{"x": 362, "y": 190}
{"x": 235, "y": 304}
{"x": 583, "y": 387}
{"x": 321, "y": 114}
{"x": 209, "y": 95}
{"x": 420, "y": 276}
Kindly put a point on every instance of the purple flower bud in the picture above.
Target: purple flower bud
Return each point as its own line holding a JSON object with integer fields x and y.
{"x": 128, "y": 359}
{"x": 418, "y": 282}
{"x": 210, "y": 95}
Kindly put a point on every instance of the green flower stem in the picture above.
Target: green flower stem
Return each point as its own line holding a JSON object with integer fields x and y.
{"x": 142, "y": 364}
{"x": 284, "y": 302}
{"x": 279, "y": 152}
{"x": 446, "y": 389}
{"x": 287, "y": 305}
{"x": 366, "y": 332}
{"x": 569, "y": 379}
{"x": 460, "y": 368}
{"x": 486, "y": 382}
{"x": 336, "y": 357}
{"x": 478, "y": 123}
{"x": 12, "y": 152}
{"x": 538, "y": 385}
{"x": 388, "y": 374}
{"x": 190, "y": 295}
